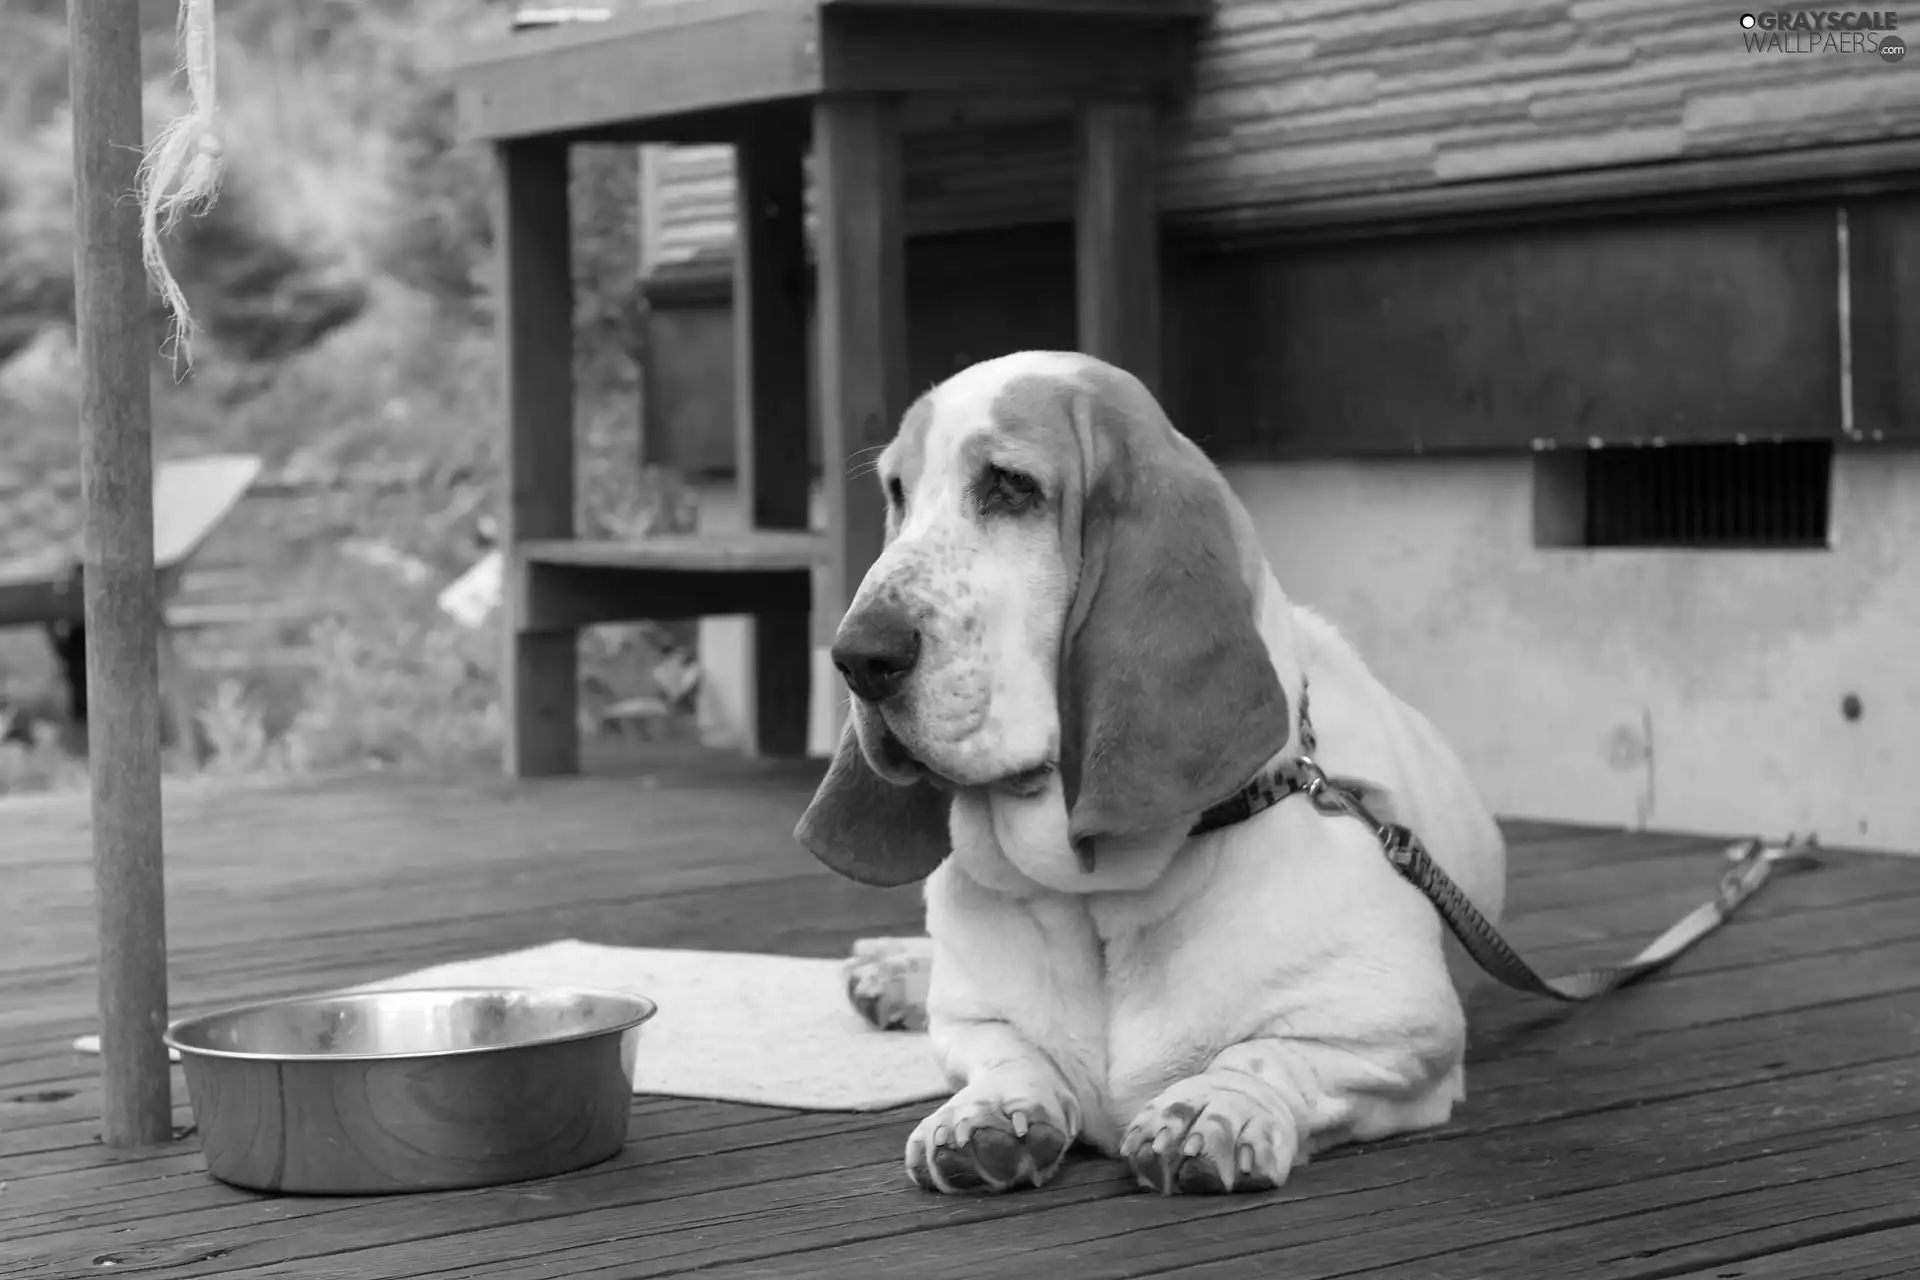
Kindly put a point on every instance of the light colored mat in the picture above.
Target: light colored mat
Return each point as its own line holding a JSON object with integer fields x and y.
{"x": 772, "y": 1030}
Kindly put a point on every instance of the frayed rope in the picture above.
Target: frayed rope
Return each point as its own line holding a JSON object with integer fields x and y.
{"x": 180, "y": 172}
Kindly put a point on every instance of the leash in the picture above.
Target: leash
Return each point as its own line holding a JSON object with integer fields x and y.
{"x": 1751, "y": 863}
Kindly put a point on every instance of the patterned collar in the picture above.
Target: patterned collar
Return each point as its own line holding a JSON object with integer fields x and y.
{"x": 1269, "y": 787}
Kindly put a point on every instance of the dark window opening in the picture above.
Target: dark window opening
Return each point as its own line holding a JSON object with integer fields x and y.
{"x": 1704, "y": 496}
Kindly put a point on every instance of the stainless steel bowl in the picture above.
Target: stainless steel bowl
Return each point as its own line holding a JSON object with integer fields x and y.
{"x": 383, "y": 1091}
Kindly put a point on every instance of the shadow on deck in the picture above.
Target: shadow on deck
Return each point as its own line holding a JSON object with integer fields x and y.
{"x": 1755, "y": 1113}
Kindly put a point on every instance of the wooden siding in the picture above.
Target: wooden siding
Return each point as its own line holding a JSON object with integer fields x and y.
{"x": 1307, "y": 99}
{"x": 1657, "y": 327}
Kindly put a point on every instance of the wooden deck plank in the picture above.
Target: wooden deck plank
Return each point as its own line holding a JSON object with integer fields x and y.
{"x": 815, "y": 1195}
{"x": 616, "y": 911}
{"x": 1508, "y": 1093}
{"x": 365, "y": 892}
{"x": 1759, "y": 1098}
{"x": 1876, "y": 1255}
{"x": 824, "y": 907}
{"x": 1384, "y": 1207}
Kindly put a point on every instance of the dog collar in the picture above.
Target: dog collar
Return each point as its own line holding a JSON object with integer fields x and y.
{"x": 1267, "y": 788}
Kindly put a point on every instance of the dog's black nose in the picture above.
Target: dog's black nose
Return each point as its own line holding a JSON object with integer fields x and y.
{"x": 875, "y": 650}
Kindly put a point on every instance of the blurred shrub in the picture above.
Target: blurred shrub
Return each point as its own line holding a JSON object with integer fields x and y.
{"x": 343, "y": 288}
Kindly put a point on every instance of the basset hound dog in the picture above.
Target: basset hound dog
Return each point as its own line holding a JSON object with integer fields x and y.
{"x": 1069, "y": 664}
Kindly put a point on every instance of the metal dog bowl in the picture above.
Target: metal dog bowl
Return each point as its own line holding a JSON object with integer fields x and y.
{"x": 382, "y": 1091}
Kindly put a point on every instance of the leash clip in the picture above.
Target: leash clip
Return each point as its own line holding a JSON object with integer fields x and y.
{"x": 1331, "y": 798}
{"x": 1326, "y": 797}
{"x": 1795, "y": 853}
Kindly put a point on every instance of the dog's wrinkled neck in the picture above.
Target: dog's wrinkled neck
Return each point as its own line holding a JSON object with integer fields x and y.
{"x": 1017, "y": 844}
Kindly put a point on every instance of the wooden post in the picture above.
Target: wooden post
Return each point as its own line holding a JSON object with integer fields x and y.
{"x": 861, "y": 251}
{"x": 540, "y": 673}
{"x": 770, "y": 408}
{"x": 1118, "y": 233}
{"x": 119, "y": 591}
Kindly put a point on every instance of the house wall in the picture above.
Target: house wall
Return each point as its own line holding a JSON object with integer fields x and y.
{"x": 1378, "y": 404}
{"x": 1684, "y": 690}
{"x": 1679, "y": 690}
{"x": 1399, "y": 416}
{"x": 1302, "y": 99}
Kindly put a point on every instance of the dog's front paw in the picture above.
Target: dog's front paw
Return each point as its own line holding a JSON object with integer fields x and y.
{"x": 887, "y": 981}
{"x": 981, "y": 1141}
{"x": 1209, "y": 1134}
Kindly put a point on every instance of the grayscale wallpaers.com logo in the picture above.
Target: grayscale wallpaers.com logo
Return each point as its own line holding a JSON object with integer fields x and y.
{"x": 1824, "y": 31}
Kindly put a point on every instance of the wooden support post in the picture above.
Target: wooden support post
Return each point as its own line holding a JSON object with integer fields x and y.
{"x": 118, "y": 587}
{"x": 770, "y": 409}
{"x": 1118, "y": 234}
{"x": 540, "y": 671}
{"x": 861, "y": 252}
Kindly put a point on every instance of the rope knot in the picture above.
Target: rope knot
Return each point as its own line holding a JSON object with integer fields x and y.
{"x": 182, "y": 168}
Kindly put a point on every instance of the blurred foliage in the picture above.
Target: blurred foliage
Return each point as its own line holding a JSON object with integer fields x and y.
{"x": 342, "y": 285}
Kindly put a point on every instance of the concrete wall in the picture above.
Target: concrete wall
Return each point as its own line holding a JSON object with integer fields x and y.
{"x": 1693, "y": 691}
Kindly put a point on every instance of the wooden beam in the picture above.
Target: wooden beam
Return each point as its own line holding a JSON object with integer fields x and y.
{"x": 585, "y": 595}
{"x": 654, "y": 64}
{"x": 118, "y": 586}
{"x": 1002, "y": 54}
{"x": 1668, "y": 328}
{"x": 771, "y": 390}
{"x": 861, "y": 251}
{"x": 1658, "y": 188}
{"x": 1118, "y": 232}
{"x": 632, "y": 74}
{"x": 540, "y": 671}
{"x": 1104, "y": 10}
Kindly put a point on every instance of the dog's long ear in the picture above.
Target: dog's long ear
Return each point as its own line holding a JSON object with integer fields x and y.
{"x": 870, "y": 830}
{"x": 1169, "y": 701}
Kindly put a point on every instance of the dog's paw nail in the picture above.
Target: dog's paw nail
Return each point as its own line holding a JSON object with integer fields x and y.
{"x": 919, "y": 1168}
{"x": 1243, "y": 1160}
{"x": 988, "y": 1144}
{"x": 1149, "y": 1170}
{"x": 1192, "y": 1145}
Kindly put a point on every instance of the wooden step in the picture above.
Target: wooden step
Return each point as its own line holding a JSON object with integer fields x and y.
{"x": 567, "y": 585}
{"x": 752, "y": 552}
{"x": 203, "y": 615}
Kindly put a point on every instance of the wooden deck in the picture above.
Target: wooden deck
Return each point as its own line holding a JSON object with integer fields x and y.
{"x": 1754, "y": 1114}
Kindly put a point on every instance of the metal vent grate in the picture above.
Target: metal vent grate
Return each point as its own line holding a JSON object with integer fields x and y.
{"x": 1709, "y": 495}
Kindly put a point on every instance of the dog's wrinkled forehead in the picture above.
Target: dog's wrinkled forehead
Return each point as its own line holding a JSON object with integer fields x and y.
{"x": 1014, "y": 402}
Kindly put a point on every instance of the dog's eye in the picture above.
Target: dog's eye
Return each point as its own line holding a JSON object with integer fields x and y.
{"x": 1004, "y": 490}
{"x": 896, "y": 493}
